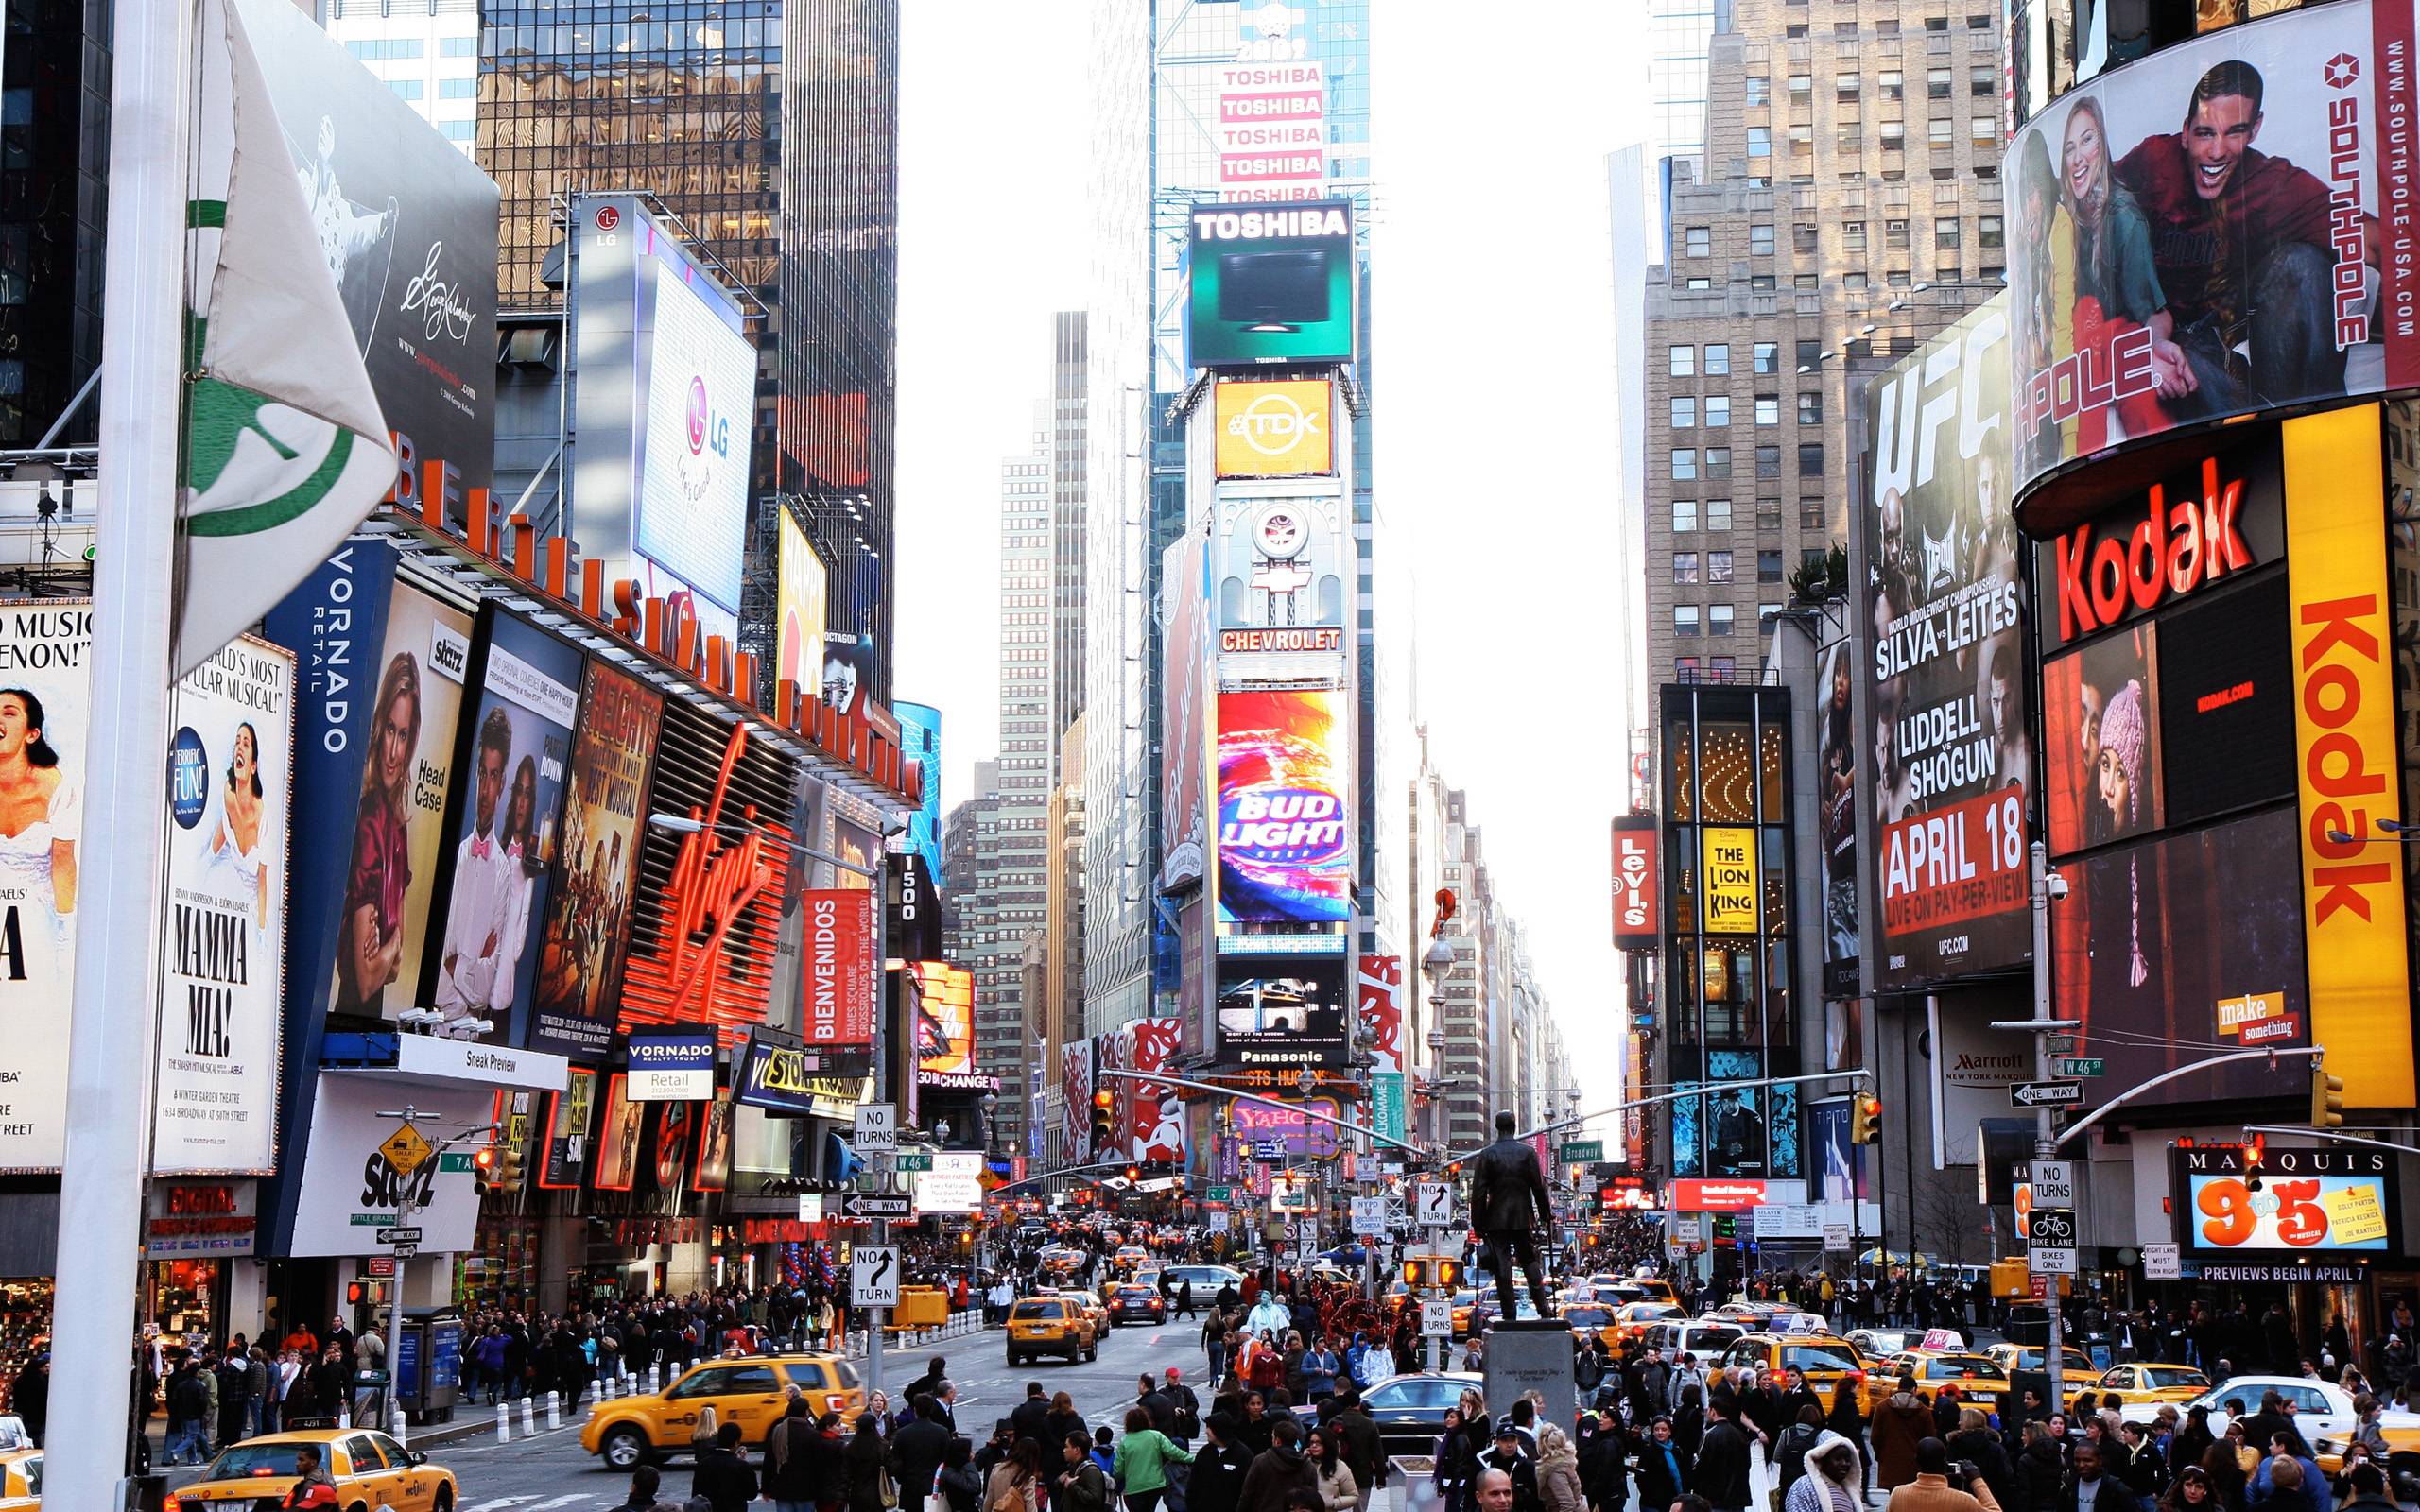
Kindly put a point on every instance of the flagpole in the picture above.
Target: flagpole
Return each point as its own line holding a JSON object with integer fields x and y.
{"x": 110, "y": 1057}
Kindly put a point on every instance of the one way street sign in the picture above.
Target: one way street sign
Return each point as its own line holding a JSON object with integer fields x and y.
{"x": 876, "y": 1205}
{"x": 2046, "y": 1094}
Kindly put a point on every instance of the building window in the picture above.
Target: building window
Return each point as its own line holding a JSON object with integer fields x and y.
{"x": 1802, "y": 238}
{"x": 1717, "y": 618}
{"x": 1987, "y": 233}
{"x": 1768, "y": 566}
{"x": 1845, "y": 87}
{"x": 1721, "y": 668}
{"x": 1761, "y": 282}
{"x": 1991, "y": 273}
{"x": 1894, "y": 84}
{"x": 1680, "y": 362}
{"x": 406, "y": 89}
{"x": 1855, "y": 281}
{"x": 1810, "y": 352}
{"x": 1718, "y": 409}
{"x": 1718, "y": 359}
{"x": 1894, "y": 136}
{"x": 1684, "y": 669}
{"x": 1813, "y": 558}
{"x": 1760, "y": 89}
{"x": 1936, "y": 23}
{"x": 1699, "y": 241}
{"x": 1684, "y": 619}
{"x": 1718, "y": 514}
{"x": 1718, "y": 566}
{"x": 1810, "y": 459}
{"x": 1810, "y": 513}
{"x": 1718, "y": 461}
{"x": 1768, "y": 515}
{"x": 1769, "y": 409}
{"x": 1937, "y": 83}
{"x": 1811, "y": 408}
{"x": 1760, "y": 141}
{"x": 1684, "y": 411}
{"x": 460, "y": 48}
{"x": 1939, "y": 129}
{"x": 1768, "y": 461}
{"x": 1801, "y": 86}
{"x": 1944, "y": 233}
{"x": 1760, "y": 241}
{"x": 1685, "y": 462}
{"x": 1985, "y": 130}
{"x": 1853, "y": 237}
{"x": 1895, "y": 235}
{"x": 1767, "y": 357}
{"x": 458, "y": 89}
{"x": 1896, "y": 278}
{"x": 1684, "y": 566}
{"x": 1699, "y": 285}
{"x": 1684, "y": 515}
{"x": 1981, "y": 81}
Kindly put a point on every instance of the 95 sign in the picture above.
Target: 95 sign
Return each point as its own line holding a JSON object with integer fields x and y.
{"x": 2289, "y": 1213}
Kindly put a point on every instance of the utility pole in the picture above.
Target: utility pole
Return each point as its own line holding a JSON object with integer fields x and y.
{"x": 2046, "y": 1146}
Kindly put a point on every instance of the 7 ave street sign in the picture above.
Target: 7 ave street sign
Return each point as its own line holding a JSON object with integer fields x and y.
{"x": 2046, "y": 1094}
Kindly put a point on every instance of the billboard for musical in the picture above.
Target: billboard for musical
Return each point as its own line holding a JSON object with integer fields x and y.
{"x": 587, "y": 931}
{"x": 46, "y": 704}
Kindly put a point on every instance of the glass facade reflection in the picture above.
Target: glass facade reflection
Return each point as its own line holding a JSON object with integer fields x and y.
{"x": 54, "y": 150}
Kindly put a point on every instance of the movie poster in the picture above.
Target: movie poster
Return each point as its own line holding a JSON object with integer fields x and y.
{"x": 46, "y": 705}
{"x": 1949, "y": 752}
{"x": 2204, "y": 235}
{"x": 715, "y": 1141}
{"x": 406, "y": 771}
{"x": 1836, "y": 790}
{"x": 587, "y": 933}
{"x": 513, "y": 750}
{"x": 1285, "y": 764}
{"x": 618, "y": 1139}
{"x": 2100, "y": 719}
{"x": 231, "y": 789}
{"x": 568, "y": 1115}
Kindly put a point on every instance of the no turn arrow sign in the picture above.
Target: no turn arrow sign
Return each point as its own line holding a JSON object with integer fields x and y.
{"x": 2046, "y": 1094}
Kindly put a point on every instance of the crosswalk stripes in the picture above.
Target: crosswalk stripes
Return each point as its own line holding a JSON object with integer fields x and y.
{"x": 531, "y": 1503}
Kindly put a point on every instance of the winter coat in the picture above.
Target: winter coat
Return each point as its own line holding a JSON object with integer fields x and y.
{"x": 1142, "y": 1460}
{"x": 1721, "y": 1474}
{"x": 1559, "y": 1483}
{"x": 790, "y": 1454}
{"x": 962, "y": 1487}
{"x": 727, "y": 1481}
{"x": 1337, "y": 1490}
{"x": 1809, "y": 1493}
{"x": 866, "y": 1457}
{"x": 1274, "y": 1475}
{"x": 1658, "y": 1485}
{"x": 1790, "y": 1452}
{"x": 1900, "y": 1423}
{"x": 1218, "y": 1477}
{"x": 2040, "y": 1473}
{"x": 1982, "y": 1447}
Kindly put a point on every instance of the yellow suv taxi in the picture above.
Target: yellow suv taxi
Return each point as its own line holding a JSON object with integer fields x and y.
{"x": 1051, "y": 1325}
{"x": 1821, "y": 1357}
{"x": 751, "y": 1390}
{"x": 369, "y": 1471}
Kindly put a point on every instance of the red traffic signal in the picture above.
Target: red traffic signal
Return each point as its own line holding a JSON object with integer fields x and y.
{"x": 1104, "y": 1099}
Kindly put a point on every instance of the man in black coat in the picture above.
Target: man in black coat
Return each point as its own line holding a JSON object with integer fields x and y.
{"x": 1218, "y": 1467}
{"x": 1507, "y": 1186}
{"x": 1363, "y": 1451}
{"x": 1604, "y": 1477}
{"x": 1506, "y": 1455}
{"x": 1031, "y": 1418}
{"x": 1721, "y": 1474}
{"x": 918, "y": 1448}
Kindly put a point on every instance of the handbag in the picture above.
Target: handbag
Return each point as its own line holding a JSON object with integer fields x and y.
{"x": 887, "y": 1488}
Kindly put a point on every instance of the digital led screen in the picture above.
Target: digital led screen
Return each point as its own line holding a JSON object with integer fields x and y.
{"x": 1285, "y": 848}
{"x": 1271, "y": 284}
{"x": 2227, "y": 702}
{"x": 2101, "y": 718}
{"x": 2307, "y": 1200}
{"x": 1283, "y": 1013}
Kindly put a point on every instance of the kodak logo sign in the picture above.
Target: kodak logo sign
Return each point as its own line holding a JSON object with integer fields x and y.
{"x": 2177, "y": 546}
{"x": 2353, "y": 920}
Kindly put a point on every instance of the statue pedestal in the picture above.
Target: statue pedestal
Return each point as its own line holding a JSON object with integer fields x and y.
{"x": 1533, "y": 1354}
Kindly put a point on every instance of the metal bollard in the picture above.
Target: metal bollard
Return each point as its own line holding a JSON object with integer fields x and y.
{"x": 528, "y": 1416}
{"x": 553, "y": 1412}
{"x": 503, "y": 1423}
{"x": 653, "y": 1379}
{"x": 605, "y": 1390}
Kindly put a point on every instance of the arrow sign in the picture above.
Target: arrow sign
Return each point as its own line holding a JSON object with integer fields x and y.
{"x": 1219, "y": 1194}
{"x": 2046, "y": 1094}
{"x": 876, "y": 1205}
{"x": 873, "y": 1277}
{"x": 1435, "y": 1200}
{"x": 400, "y": 1236}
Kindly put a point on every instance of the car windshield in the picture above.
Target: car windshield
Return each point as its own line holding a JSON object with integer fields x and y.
{"x": 1960, "y": 1368}
{"x": 245, "y": 1461}
{"x": 1712, "y": 1338}
{"x": 1414, "y": 1394}
{"x": 1587, "y": 1317}
{"x": 1820, "y": 1357}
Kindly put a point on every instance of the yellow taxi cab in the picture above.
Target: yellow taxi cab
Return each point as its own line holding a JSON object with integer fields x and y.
{"x": 1590, "y": 1320}
{"x": 20, "y": 1479}
{"x": 1974, "y": 1375}
{"x": 751, "y": 1390}
{"x": 1057, "y": 1324}
{"x": 1632, "y": 1319}
{"x": 1058, "y": 1264}
{"x": 369, "y": 1471}
{"x": 2154, "y": 1383}
{"x": 1823, "y": 1358}
{"x": 1093, "y": 1307}
{"x": 1129, "y": 1260}
{"x": 1655, "y": 1288}
{"x": 2077, "y": 1371}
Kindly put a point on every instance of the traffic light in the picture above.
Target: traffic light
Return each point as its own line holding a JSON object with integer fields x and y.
{"x": 1102, "y": 1102}
{"x": 1865, "y": 1120}
{"x": 365, "y": 1293}
{"x": 507, "y": 1177}
{"x": 2326, "y": 1097}
{"x": 1134, "y": 1174}
{"x": 483, "y": 1167}
{"x": 1449, "y": 1274}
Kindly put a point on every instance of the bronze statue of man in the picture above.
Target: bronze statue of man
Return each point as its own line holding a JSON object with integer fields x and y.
{"x": 1506, "y": 1185}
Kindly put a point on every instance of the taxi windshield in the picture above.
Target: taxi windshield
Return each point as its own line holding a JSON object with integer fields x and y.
{"x": 246, "y": 1460}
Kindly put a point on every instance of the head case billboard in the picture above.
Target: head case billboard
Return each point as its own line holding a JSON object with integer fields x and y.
{"x": 1271, "y": 284}
{"x": 2203, "y": 233}
{"x": 1074, "y": 1102}
{"x": 1284, "y": 842}
{"x": 1946, "y": 667}
{"x": 513, "y": 752}
{"x": 588, "y": 912}
{"x": 1153, "y": 1128}
{"x": 230, "y": 785}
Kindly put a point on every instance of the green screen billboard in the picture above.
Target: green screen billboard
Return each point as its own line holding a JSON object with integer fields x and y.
{"x": 1271, "y": 283}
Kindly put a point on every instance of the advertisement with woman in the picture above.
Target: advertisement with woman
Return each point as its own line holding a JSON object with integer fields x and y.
{"x": 46, "y": 700}
{"x": 2197, "y": 235}
{"x": 230, "y": 797}
{"x": 406, "y": 771}
{"x": 514, "y": 749}
{"x": 587, "y": 933}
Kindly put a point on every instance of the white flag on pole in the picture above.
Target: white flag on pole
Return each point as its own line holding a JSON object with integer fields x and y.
{"x": 285, "y": 451}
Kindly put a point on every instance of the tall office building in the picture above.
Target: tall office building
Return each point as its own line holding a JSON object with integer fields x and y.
{"x": 770, "y": 132}
{"x": 1158, "y": 150}
{"x": 54, "y": 187}
{"x": 1678, "y": 35}
{"x": 427, "y": 51}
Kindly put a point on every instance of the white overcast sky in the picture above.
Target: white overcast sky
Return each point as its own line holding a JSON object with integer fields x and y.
{"x": 1493, "y": 396}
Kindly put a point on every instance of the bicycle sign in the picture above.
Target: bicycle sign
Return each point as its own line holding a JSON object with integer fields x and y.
{"x": 2050, "y": 1227}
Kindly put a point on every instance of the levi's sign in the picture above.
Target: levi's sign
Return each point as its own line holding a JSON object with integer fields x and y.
{"x": 2192, "y": 530}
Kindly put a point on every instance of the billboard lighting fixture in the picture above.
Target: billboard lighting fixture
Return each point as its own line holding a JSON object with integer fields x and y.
{"x": 1866, "y": 330}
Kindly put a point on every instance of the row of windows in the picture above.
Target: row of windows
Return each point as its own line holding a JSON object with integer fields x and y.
{"x": 1947, "y": 234}
{"x": 1897, "y": 277}
{"x": 1717, "y": 567}
{"x": 1892, "y": 136}
{"x": 1983, "y": 83}
{"x": 1718, "y": 461}
{"x": 1685, "y": 409}
{"x": 1718, "y": 513}
{"x": 391, "y": 49}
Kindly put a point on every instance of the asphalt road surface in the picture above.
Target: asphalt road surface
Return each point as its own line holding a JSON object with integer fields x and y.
{"x": 549, "y": 1474}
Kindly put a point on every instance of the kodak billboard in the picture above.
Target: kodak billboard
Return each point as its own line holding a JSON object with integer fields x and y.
{"x": 2346, "y": 761}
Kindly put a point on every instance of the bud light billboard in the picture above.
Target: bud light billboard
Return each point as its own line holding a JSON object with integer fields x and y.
{"x": 1285, "y": 846}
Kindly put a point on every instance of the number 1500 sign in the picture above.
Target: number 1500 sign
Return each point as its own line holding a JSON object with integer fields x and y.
{"x": 2289, "y": 1213}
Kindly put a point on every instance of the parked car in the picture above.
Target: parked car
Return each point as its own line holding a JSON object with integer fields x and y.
{"x": 1409, "y": 1410}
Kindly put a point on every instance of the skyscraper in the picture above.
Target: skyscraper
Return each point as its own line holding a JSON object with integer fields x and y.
{"x": 771, "y": 133}
{"x": 427, "y": 51}
{"x": 55, "y": 178}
